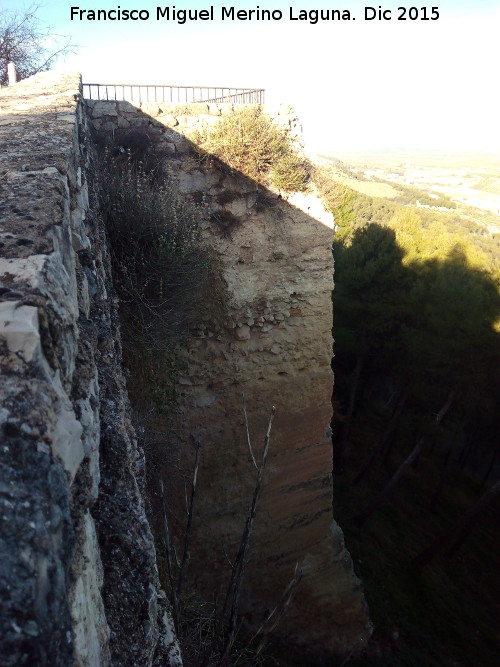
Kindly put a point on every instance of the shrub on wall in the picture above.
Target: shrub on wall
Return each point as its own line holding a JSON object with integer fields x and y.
{"x": 166, "y": 280}
{"x": 249, "y": 142}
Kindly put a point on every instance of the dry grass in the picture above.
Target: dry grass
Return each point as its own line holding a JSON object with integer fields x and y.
{"x": 250, "y": 143}
{"x": 167, "y": 280}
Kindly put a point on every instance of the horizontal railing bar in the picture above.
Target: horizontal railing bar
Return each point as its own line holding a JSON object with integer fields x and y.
{"x": 165, "y": 85}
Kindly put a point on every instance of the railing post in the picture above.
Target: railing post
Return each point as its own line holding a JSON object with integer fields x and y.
{"x": 12, "y": 74}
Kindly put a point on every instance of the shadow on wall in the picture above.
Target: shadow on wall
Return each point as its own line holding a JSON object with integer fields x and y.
{"x": 273, "y": 344}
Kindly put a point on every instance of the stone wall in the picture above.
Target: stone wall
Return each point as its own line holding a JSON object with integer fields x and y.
{"x": 78, "y": 578}
{"x": 276, "y": 348}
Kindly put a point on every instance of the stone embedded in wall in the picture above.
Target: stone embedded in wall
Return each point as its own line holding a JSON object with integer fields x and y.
{"x": 20, "y": 330}
{"x": 177, "y": 122}
{"x": 91, "y": 631}
{"x": 276, "y": 348}
{"x": 70, "y": 477}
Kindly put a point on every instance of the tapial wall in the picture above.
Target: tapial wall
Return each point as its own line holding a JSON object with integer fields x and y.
{"x": 275, "y": 346}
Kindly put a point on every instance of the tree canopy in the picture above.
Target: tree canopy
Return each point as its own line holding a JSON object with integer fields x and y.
{"x": 27, "y": 42}
{"x": 417, "y": 306}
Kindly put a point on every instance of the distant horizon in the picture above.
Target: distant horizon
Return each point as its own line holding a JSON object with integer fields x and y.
{"x": 411, "y": 149}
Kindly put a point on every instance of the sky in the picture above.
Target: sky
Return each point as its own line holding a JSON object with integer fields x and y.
{"x": 356, "y": 85}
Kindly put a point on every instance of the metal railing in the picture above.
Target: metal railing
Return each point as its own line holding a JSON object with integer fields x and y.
{"x": 175, "y": 94}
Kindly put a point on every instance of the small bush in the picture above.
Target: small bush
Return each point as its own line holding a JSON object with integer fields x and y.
{"x": 289, "y": 174}
{"x": 249, "y": 142}
{"x": 166, "y": 280}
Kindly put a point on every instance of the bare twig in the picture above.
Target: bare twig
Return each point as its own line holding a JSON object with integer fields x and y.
{"x": 411, "y": 459}
{"x": 168, "y": 544}
{"x": 187, "y": 533}
{"x": 231, "y": 565}
{"x": 186, "y": 498}
{"x": 233, "y": 593}
{"x": 453, "y": 538}
{"x": 223, "y": 624}
{"x": 249, "y": 442}
{"x": 274, "y": 617}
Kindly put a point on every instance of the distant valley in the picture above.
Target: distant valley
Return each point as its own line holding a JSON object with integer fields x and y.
{"x": 468, "y": 183}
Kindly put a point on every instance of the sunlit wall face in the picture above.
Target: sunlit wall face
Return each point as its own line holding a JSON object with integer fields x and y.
{"x": 355, "y": 84}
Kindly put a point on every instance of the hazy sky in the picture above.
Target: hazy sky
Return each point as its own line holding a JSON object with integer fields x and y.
{"x": 355, "y": 84}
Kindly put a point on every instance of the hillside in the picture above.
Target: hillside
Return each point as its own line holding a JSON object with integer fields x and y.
{"x": 467, "y": 183}
{"x": 416, "y": 310}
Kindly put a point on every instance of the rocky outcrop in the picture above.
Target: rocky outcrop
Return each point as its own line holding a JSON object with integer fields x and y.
{"x": 78, "y": 578}
{"x": 275, "y": 347}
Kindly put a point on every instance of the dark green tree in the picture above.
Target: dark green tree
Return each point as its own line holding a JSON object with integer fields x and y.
{"x": 451, "y": 347}
{"x": 369, "y": 300}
